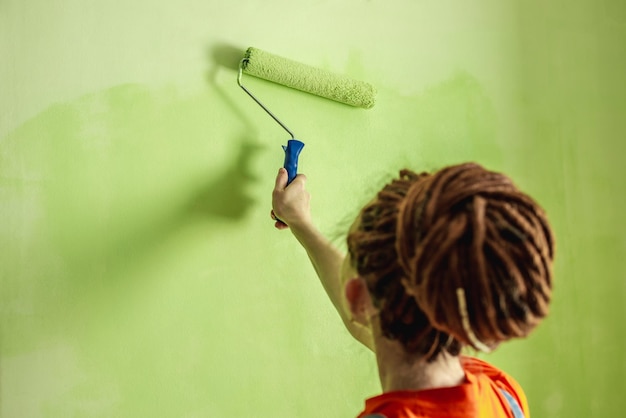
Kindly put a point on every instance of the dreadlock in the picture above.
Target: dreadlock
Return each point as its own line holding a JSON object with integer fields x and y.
{"x": 458, "y": 257}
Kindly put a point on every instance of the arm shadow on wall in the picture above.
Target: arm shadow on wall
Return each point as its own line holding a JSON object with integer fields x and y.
{"x": 226, "y": 197}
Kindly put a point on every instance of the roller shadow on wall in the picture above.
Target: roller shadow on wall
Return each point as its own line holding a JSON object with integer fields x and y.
{"x": 227, "y": 57}
{"x": 230, "y": 187}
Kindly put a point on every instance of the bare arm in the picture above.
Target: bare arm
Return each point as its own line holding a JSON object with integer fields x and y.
{"x": 292, "y": 210}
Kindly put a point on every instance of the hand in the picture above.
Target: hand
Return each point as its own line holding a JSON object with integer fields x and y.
{"x": 290, "y": 203}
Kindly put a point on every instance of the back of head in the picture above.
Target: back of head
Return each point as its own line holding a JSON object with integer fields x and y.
{"x": 457, "y": 257}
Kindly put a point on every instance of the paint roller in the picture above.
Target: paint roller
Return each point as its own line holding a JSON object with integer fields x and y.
{"x": 305, "y": 78}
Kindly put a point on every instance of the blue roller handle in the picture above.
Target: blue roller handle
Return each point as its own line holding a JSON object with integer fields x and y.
{"x": 292, "y": 151}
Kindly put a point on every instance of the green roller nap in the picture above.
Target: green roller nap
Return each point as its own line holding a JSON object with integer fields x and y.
{"x": 308, "y": 79}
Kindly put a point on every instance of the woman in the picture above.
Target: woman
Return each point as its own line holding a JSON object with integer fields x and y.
{"x": 436, "y": 262}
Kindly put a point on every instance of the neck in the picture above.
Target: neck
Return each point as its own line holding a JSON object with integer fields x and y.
{"x": 401, "y": 371}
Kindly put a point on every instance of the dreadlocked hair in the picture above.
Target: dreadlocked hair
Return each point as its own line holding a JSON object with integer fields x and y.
{"x": 456, "y": 258}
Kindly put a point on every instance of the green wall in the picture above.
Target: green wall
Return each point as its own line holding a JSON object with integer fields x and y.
{"x": 140, "y": 273}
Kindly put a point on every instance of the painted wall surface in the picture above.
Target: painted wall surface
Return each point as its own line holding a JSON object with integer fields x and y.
{"x": 140, "y": 273}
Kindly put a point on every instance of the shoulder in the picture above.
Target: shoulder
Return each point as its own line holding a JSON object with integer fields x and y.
{"x": 428, "y": 403}
{"x": 401, "y": 404}
{"x": 479, "y": 367}
{"x": 497, "y": 377}
{"x": 386, "y": 410}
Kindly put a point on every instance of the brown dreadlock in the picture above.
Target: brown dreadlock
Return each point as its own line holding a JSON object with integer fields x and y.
{"x": 458, "y": 257}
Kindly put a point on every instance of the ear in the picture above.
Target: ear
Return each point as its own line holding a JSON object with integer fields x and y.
{"x": 359, "y": 300}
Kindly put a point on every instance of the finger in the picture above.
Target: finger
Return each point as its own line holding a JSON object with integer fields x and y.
{"x": 278, "y": 224}
{"x": 281, "y": 180}
{"x": 281, "y": 225}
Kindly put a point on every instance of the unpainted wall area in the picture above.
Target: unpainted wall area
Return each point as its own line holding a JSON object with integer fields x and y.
{"x": 140, "y": 273}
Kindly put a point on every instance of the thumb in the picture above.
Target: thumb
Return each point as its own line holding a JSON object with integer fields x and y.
{"x": 281, "y": 180}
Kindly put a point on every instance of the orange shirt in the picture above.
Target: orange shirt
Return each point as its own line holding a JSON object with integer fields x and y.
{"x": 479, "y": 396}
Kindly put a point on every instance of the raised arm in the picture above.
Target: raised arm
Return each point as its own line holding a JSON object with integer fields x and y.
{"x": 291, "y": 210}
